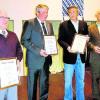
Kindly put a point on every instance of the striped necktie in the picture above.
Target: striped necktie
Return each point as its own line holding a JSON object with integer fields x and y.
{"x": 44, "y": 29}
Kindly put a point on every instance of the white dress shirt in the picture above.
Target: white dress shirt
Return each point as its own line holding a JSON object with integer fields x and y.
{"x": 41, "y": 25}
{"x": 75, "y": 25}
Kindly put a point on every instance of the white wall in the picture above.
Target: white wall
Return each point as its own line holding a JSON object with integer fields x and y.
{"x": 91, "y": 6}
{"x": 25, "y": 9}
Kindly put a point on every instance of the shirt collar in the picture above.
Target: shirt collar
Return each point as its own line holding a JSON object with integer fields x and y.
{"x": 6, "y": 33}
{"x": 40, "y": 21}
{"x": 0, "y": 31}
{"x": 75, "y": 22}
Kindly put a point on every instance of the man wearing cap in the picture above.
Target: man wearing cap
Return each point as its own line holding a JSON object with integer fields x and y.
{"x": 9, "y": 48}
{"x": 73, "y": 62}
{"x": 94, "y": 44}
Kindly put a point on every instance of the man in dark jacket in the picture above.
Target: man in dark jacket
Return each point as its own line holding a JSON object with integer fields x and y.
{"x": 72, "y": 61}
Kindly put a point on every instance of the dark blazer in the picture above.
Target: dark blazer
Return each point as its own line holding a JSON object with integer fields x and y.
{"x": 66, "y": 35}
{"x": 33, "y": 40}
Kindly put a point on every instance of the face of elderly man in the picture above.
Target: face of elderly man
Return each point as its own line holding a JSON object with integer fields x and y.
{"x": 42, "y": 12}
{"x": 3, "y": 20}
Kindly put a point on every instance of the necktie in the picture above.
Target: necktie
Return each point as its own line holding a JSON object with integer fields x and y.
{"x": 44, "y": 29}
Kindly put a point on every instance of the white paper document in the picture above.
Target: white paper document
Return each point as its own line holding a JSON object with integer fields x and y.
{"x": 8, "y": 73}
{"x": 50, "y": 44}
{"x": 79, "y": 43}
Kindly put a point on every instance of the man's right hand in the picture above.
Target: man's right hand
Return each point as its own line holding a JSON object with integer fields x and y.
{"x": 69, "y": 49}
{"x": 43, "y": 53}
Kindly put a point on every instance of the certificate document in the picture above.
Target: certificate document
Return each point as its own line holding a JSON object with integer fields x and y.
{"x": 8, "y": 73}
{"x": 79, "y": 43}
{"x": 50, "y": 44}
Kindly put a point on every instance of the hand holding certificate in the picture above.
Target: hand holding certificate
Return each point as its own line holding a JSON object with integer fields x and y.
{"x": 50, "y": 44}
{"x": 79, "y": 43}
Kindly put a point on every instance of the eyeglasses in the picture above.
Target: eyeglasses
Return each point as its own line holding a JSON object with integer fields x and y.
{"x": 4, "y": 17}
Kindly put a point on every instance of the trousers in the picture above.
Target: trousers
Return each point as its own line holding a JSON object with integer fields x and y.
{"x": 79, "y": 69}
{"x": 9, "y": 93}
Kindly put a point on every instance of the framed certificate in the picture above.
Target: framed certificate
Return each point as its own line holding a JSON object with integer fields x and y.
{"x": 79, "y": 43}
{"x": 50, "y": 44}
{"x": 8, "y": 73}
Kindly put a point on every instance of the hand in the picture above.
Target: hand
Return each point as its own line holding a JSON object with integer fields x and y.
{"x": 96, "y": 49}
{"x": 87, "y": 38}
{"x": 43, "y": 53}
{"x": 69, "y": 49}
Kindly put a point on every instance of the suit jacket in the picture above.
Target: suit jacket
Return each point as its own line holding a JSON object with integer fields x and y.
{"x": 94, "y": 41}
{"x": 33, "y": 40}
{"x": 65, "y": 39}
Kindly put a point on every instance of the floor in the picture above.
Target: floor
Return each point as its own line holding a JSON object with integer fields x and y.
{"x": 56, "y": 87}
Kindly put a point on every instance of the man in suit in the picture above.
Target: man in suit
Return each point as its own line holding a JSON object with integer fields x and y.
{"x": 37, "y": 59}
{"x": 9, "y": 48}
{"x": 94, "y": 44}
{"x": 72, "y": 61}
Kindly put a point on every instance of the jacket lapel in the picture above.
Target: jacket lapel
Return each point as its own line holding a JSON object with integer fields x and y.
{"x": 37, "y": 26}
{"x": 80, "y": 27}
{"x": 71, "y": 27}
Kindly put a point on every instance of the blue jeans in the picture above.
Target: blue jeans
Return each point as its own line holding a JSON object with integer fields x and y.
{"x": 79, "y": 69}
{"x": 9, "y": 93}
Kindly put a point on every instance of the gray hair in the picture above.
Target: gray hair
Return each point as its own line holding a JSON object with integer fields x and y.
{"x": 39, "y": 7}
